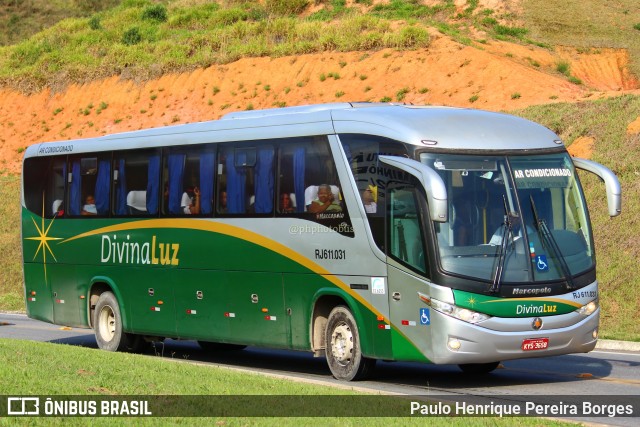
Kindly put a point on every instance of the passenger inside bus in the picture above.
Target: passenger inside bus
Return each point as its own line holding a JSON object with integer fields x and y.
{"x": 326, "y": 199}
{"x": 369, "y": 196}
{"x": 137, "y": 202}
{"x": 89, "y": 207}
{"x": 190, "y": 202}
{"x": 286, "y": 203}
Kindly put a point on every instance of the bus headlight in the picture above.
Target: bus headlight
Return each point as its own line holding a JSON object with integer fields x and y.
{"x": 587, "y": 310}
{"x": 463, "y": 314}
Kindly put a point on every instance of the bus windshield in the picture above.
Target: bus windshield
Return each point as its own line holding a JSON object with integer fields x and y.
{"x": 512, "y": 219}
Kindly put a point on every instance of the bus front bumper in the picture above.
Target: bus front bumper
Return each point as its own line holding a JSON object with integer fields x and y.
{"x": 458, "y": 342}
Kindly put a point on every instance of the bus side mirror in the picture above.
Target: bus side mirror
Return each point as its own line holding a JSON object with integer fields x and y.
{"x": 612, "y": 185}
{"x": 433, "y": 185}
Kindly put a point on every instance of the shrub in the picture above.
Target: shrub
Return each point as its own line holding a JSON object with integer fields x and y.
{"x": 156, "y": 12}
{"x": 563, "y": 67}
{"x": 575, "y": 80}
{"x": 517, "y": 32}
{"x": 413, "y": 36}
{"x": 401, "y": 94}
{"x": 94, "y": 22}
{"x": 131, "y": 36}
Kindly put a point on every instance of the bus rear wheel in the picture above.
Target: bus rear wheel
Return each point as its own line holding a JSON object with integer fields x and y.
{"x": 478, "y": 368}
{"x": 107, "y": 324}
{"x": 343, "y": 351}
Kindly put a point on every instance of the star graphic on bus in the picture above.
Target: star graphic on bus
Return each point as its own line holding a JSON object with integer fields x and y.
{"x": 44, "y": 239}
{"x": 471, "y": 301}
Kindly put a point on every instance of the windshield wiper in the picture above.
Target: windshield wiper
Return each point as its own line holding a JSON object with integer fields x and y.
{"x": 551, "y": 242}
{"x": 507, "y": 231}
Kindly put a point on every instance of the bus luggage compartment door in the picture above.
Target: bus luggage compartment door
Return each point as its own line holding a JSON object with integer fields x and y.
{"x": 38, "y": 293}
{"x": 201, "y": 309}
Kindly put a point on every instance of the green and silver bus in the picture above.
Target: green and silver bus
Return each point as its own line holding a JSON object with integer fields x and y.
{"x": 354, "y": 231}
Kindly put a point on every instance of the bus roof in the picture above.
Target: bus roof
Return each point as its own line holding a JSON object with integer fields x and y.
{"x": 436, "y": 127}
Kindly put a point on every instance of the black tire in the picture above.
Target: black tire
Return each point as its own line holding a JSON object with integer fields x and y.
{"x": 213, "y": 347}
{"x": 107, "y": 324}
{"x": 478, "y": 368}
{"x": 343, "y": 350}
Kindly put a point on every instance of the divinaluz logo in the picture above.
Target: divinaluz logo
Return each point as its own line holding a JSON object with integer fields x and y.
{"x": 127, "y": 251}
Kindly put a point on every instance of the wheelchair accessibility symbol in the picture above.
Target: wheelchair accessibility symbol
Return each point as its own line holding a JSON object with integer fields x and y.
{"x": 425, "y": 317}
{"x": 541, "y": 263}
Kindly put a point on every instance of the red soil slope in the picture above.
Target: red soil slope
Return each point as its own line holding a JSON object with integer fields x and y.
{"x": 494, "y": 76}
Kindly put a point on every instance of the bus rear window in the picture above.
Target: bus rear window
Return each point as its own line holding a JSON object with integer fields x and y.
{"x": 44, "y": 182}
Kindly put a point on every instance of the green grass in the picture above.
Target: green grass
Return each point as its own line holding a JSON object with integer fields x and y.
{"x": 191, "y": 35}
{"x": 77, "y": 371}
{"x": 71, "y": 41}
{"x": 11, "y": 279}
{"x": 20, "y": 19}
{"x": 585, "y": 24}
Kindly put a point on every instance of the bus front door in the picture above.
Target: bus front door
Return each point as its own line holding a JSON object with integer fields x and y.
{"x": 406, "y": 257}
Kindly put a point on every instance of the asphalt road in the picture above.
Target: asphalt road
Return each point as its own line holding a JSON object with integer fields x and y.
{"x": 568, "y": 379}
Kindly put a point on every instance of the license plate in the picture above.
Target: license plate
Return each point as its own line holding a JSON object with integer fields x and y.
{"x": 532, "y": 344}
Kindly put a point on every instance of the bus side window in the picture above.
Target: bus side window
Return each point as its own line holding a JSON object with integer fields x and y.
{"x": 371, "y": 175}
{"x": 305, "y": 166}
{"x": 44, "y": 184}
{"x": 309, "y": 186}
{"x": 246, "y": 179}
{"x": 136, "y": 184}
{"x": 406, "y": 236}
{"x": 291, "y": 173}
{"x": 188, "y": 184}
{"x": 89, "y": 186}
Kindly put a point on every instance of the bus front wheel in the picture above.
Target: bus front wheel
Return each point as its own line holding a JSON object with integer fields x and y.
{"x": 107, "y": 324}
{"x": 343, "y": 352}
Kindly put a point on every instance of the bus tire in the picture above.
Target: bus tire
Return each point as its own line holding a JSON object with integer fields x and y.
{"x": 478, "y": 368}
{"x": 213, "y": 347}
{"x": 343, "y": 351}
{"x": 107, "y": 324}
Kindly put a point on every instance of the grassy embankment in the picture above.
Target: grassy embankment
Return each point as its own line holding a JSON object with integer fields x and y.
{"x": 587, "y": 25}
{"x": 139, "y": 39}
{"x": 77, "y": 371}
